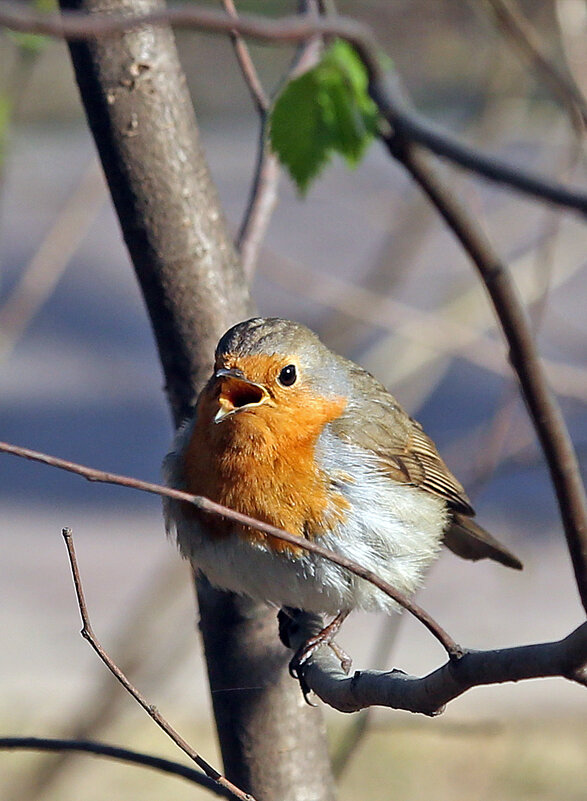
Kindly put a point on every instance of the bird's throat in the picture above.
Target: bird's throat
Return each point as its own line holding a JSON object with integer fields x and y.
{"x": 262, "y": 463}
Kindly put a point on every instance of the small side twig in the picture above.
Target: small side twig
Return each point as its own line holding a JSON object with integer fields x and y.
{"x": 75, "y": 26}
{"x": 263, "y": 192}
{"x": 206, "y": 505}
{"x": 88, "y": 634}
{"x": 114, "y": 752}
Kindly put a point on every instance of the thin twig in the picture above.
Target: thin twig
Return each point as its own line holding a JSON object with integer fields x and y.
{"x": 81, "y": 26}
{"x": 150, "y": 709}
{"x": 114, "y": 752}
{"x": 263, "y": 192}
{"x": 245, "y": 62}
{"x": 261, "y": 203}
{"x": 210, "y": 507}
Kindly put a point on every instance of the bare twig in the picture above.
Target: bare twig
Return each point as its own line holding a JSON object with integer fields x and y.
{"x": 114, "y": 752}
{"x": 261, "y": 203}
{"x": 210, "y": 507}
{"x": 245, "y": 62}
{"x": 566, "y": 658}
{"x": 130, "y": 642}
{"x": 544, "y": 410}
{"x": 263, "y": 192}
{"x": 386, "y": 93}
{"x": 150, "y": 709}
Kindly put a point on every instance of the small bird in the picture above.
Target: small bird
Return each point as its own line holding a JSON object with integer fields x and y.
{"x": 292, "y": 434}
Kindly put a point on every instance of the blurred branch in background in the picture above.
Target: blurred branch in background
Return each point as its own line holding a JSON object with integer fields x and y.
{"x": 572, "y": 20}
{"x": 40, "y": 277}
{"x": 527, "y": 41}
{"x": 457, "y": 328}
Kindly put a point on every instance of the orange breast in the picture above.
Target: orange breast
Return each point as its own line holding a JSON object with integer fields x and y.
{"x": 261, "y": 462}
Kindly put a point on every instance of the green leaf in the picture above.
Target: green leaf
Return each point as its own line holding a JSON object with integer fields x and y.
{"x": 326, "y": 110}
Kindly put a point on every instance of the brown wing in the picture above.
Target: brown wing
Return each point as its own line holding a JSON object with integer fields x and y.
{"x": 376, "y": 422}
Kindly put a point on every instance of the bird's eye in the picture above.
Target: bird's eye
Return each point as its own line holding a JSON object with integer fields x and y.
{"x": 288, "y": 375}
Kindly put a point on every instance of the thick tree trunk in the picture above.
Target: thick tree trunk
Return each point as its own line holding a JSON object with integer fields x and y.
{"x": 140, "y": 113}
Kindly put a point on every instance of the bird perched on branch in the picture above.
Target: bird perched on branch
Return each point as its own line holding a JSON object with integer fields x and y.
{"x": 292, "y": 434}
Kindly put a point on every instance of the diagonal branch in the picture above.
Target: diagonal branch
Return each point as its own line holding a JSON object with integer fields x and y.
{"x": 210, "y": 507}
{"x": 114, "y": 752}
{"x": 245, "y": 62}
{"x": 386, "y": 93}
{"x": 88, "y": 634}
{"x": 542, "y": 405}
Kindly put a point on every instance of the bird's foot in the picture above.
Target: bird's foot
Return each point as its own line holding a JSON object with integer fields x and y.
{"x": 324, "y": 637}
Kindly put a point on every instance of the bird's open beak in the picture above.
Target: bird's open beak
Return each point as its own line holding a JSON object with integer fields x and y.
{"x": 237, "y": 393}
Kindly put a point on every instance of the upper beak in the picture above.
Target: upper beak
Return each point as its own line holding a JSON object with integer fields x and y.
{"x": 236, "y": 393}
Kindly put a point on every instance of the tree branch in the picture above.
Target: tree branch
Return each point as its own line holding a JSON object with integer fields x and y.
{"x": 88, "y": 634}
{"x": 542, "y": 405}
{"x": 428, "y": 695}
{"x": 141, "y": 115}
{"x": 216, "y": 509}
{"x": 385, "y": 92}
{"x": 114, "y": 752}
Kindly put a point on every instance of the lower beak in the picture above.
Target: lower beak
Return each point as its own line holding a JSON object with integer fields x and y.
{"x": 237, "y": 393}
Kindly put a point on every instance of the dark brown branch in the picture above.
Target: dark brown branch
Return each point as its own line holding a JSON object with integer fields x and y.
{"x": 114, "y": 752}
{"x": 263, "y": 192}
{"x": 210, "y": 507}
{"x": 566, "y": 658}
{"x": 542, "y": 405}
{"x": 88, "y": 634}
{"x": 75, "y": 26}
{"x": 246, "y": 65}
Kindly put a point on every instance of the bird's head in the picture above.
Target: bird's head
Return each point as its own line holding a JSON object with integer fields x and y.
{"x": 268, "y": 369}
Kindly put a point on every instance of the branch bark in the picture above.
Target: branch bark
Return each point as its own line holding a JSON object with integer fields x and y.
{"x": 140, "y": 113}
{"x": 295, "y": 29}
{"x": 429, "y": 694}
{"x": 59, "y": 745}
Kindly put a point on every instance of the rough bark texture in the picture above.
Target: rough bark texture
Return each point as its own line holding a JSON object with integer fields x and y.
{"x": 140, "y": 113}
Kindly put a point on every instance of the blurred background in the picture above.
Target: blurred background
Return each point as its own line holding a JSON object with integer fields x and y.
{"x": 365, "y": 262}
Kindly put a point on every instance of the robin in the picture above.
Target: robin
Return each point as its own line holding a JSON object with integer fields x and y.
{"x": 292, "y": 434}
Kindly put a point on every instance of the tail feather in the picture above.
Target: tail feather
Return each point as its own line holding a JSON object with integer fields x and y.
{"x": 468, "y": 540}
